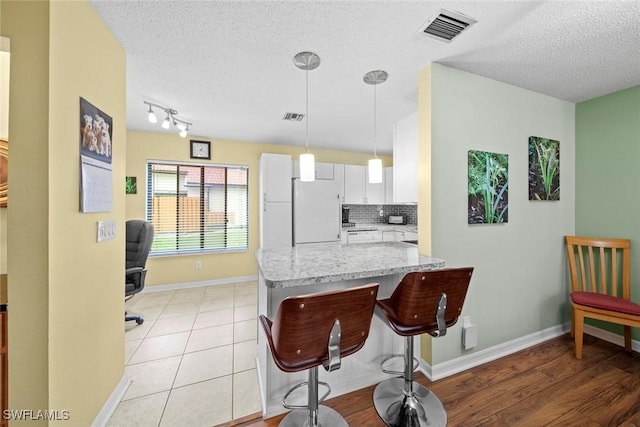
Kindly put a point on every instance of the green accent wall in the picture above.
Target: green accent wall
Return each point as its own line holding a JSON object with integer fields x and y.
{"x": 608, "y": 175}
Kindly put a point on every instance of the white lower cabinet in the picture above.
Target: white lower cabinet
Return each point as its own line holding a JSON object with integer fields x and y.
{"x": 369, "y": 236}
{"x": 410, "y": 235}
{"x": 388, "y": 236}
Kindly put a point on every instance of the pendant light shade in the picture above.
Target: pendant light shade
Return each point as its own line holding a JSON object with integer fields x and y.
{"x": 375, "y": 78}
{"x": 375, "y": 171}
{"x": 307, "y": 167}
{"x": 307, "y": 61}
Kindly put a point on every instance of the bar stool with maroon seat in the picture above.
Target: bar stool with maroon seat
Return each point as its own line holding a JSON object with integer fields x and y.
{"x": 423, "y": 302}
{"x": 318, "y": 329}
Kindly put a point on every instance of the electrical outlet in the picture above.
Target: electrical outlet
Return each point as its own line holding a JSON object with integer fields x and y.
{"x": 381, "y": 212}
{"x": 469, "y": 333}
{"x": 198, "y": 265}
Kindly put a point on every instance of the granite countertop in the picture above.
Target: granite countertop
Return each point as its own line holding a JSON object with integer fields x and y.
{"x": 383, "y": 227}
{"x": 321, "y": 263}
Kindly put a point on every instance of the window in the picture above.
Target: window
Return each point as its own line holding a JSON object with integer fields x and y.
{"x": 197, "y": 208}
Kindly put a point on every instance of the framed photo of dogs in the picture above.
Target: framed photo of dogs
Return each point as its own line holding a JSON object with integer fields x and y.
{"x": 95, "y": 159}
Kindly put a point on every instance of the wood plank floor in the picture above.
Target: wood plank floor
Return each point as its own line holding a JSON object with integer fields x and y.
{"x": 543, "y": 385}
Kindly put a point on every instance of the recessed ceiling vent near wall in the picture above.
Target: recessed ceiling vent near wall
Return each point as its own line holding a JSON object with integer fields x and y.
{"x": 447, "y": 25}
{"x": 294, "y": 117}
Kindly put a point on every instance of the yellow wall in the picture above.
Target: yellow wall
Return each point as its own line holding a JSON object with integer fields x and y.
{"x": 66, "y": 333}
{"x": 27, "y": 26}
{"x": 142, "y": 146}
{"x": 424, "y": 179}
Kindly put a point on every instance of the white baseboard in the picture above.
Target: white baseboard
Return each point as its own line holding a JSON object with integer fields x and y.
{"x": 462, "y": 363}
{"x": 610, "y": 337}
{"x": 454, "y": 366}
{"x": 112, "y": 402}
{"x": 185, "y": 285}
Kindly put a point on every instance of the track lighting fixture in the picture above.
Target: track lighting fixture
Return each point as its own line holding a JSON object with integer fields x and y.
{"x": 170, "y": 118}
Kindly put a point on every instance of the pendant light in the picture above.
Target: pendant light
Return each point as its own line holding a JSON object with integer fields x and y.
{"x": 307, "y": 61}
{"x": 375, "y": 78}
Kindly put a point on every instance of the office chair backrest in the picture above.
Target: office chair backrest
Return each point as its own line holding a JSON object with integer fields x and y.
{"x": 139, "y": 236}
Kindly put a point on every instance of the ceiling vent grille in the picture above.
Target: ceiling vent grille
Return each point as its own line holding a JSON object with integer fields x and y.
{"x": 294, "y": 117}
{"x": 447, "y": 25}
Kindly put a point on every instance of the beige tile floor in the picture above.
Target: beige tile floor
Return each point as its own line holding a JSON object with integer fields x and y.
{"x": 192, "y": 361}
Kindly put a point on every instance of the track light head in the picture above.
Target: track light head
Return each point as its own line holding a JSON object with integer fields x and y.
{"x": 152, "y": 116}
{"x": 166, "y": 122}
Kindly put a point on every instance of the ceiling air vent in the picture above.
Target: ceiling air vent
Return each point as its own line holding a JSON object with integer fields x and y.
{"x": 446, "y": 25}
{"x": 294, "y": 117}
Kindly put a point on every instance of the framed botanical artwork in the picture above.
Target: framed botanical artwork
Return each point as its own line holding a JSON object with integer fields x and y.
{"x": 544, "y": 169}
{"x": 488, "y": 187}
{"x": 131, "y": 185}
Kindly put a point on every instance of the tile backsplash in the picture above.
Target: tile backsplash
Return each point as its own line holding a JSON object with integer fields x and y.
{"x": 370, "y": 214}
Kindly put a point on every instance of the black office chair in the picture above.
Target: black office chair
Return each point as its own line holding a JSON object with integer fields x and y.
{"x": 139, "y": 236}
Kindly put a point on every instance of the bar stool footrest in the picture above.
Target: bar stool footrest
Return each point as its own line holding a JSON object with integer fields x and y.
{"x": 395, "y": 356}
{"x": 304, "y": 384}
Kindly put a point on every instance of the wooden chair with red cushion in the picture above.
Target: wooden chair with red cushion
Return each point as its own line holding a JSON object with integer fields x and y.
{"x": 600, "y": 285}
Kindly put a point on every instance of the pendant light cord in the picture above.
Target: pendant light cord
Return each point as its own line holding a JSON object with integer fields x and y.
{"x": 375, "y": 156}
{"x": 307, "y": 110}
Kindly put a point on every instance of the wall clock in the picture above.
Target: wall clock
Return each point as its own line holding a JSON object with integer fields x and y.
{"x": 200, "y": 150}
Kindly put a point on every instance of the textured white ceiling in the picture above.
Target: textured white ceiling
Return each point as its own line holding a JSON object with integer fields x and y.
{"x": 227, "y": 66}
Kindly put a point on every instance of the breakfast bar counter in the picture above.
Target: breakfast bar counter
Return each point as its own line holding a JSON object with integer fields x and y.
{"x": 311, "y": 268}
{"x": 311, "y": 264}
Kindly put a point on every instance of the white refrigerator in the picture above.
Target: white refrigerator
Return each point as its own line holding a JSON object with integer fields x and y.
{"x": 316, "y": 211}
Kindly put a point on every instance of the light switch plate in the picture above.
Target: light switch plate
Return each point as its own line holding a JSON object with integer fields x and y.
{"x": 106, "y": 231}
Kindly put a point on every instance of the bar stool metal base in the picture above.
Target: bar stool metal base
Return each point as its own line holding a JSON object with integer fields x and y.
{"x": 327, "y": 417}
{"x": 419, "y": 408}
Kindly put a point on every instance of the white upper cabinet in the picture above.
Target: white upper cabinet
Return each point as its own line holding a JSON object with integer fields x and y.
{"x": 323, "y": 170}
{"x": 405, "y": 160}
{"x": 358, "y": 190}
{"x": 354, "y": 189}
{"x": 374, "y": 193}
{"x": 338, "y": 175}
{"x": 275, "y": 177}
{"x": 388, "y": 186}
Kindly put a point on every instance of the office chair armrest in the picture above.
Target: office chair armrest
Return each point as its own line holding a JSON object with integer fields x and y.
{"x": 135, "y": 271}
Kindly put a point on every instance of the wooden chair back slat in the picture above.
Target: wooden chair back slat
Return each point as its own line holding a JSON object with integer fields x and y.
{"x": 614, "y": 271}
